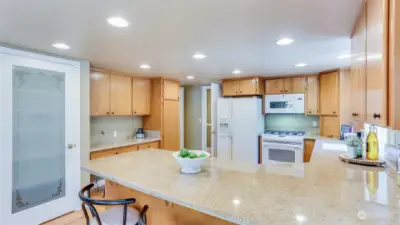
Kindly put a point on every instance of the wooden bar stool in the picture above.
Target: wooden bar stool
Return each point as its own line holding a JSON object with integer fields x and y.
{"x": 122, "y": 215}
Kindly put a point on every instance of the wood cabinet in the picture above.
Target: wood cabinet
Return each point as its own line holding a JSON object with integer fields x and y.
{"x": 141, "y": 91}
{"x": 330, "y": 126}
{"x": 308, "y": 149}
{"x": 164, "y": 115}
{"x": 171, "y": 131}
{"x": 122, "y": 150}
{"x": 230, "y": 87}
{"x": 242, "y": 87}
{"x": 298, "y": 85}
{"x": 285, "y": 85}
{"x": 112, "y": 152}
{"x": 99, "y": 94}
{"x": 120, "y": 95}
{"x": 329, "y": 93}
{"x": 149, "y": 145}
{"x": 274, "y": 86}
{"x": 171, "y": 90}
{"x": 377, "y": 61}
{"x": 312, "y": 95}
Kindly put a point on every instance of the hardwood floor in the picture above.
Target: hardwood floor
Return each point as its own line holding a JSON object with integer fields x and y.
{"x": 77, "y": 217}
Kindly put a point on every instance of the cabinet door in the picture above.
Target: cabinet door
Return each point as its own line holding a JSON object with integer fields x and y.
{"x": 298, "y": 85}
{"x": 171, "y": 90}
{"x": 230, "y": 87}
{"x": 120, "y": 95}
{"x": 288, "y": 85}
{"x": 141, "y": 90}
{"x": 377, "y": 70}
{"x": 358, "y": 73}
{"x": 274, "y": 86}
{"x": 329, "y": 93}
{"x": 170, "y": 139}
{"x": 308, "y": 149}
{"x": 248, "y": 87}
{"x": 330, "y": 126}
{"x": 312, "y": 95}
{"x": 99, "y": 94}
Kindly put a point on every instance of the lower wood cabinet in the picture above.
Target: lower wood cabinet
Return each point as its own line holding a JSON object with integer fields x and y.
{"x": 308, "y": 149}
{"x": 330, "y": 126}
{"x": 122, "y": 150}
{"x": 155, "y": 144}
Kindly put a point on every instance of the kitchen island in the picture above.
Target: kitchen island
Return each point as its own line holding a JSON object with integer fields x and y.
{"x": 325, "y": 191}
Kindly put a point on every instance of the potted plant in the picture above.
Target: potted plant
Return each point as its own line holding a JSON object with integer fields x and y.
{"x": 352, "y": 145}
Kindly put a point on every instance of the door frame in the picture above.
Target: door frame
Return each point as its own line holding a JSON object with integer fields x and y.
{"x": 204, "y": 117}
{"x": 75, "y": 68}
{"x": 182, "y": 116}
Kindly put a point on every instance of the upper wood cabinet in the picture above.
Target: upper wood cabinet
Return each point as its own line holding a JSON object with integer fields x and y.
{"x": 117, "y": 95}
{"x": 99, "y": 94}
{"x": 275, "y": 86}
{"x": 357, "y": 103}
{"x": 120, "y": 95}
{"x": 171, "y": 90}
{"x": 141, "y": 91}
{"x": 312, "y": 95}
{"x": 377, "y": 61}
{"x": 298, "y": 85}
{"x": 285, "y": 85}
{"x": 329, "y": 93}
{"x": 230, "y": 87}
{"x": 242, "y": 87}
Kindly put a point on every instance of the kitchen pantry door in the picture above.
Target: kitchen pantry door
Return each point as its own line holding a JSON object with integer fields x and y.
{"x": 39, "y": 137}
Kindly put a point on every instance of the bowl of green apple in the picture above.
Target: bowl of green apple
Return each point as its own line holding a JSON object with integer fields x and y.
{"x": 191, "y": 160}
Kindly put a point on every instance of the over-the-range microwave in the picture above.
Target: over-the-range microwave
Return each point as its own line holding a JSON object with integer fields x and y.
{"x": 284, "y": 103}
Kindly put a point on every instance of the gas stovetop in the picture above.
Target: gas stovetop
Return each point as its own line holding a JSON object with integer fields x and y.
{"x": 284, "y": 133}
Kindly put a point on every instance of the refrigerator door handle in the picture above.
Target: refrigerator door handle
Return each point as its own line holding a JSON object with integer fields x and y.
{"x": 230, "y": 150}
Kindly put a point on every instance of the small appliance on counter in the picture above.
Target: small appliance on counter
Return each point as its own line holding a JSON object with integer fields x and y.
{"x": 139, "y": 133}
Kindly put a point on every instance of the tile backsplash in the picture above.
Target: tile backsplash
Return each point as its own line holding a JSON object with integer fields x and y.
{"x": 113, "y": 128}
{"x": 298, "y": 122}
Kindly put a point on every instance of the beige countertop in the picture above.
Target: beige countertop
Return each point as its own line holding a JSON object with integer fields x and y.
{"x": 325, "y": 191}
{"x": 121, "y": 143}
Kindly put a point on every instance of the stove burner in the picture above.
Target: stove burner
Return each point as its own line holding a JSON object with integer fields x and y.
{"x": 286, "y": 133}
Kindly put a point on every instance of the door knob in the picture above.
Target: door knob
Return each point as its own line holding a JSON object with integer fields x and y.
{"x": 71, "y": 146}
{"x": 377, "y": 115}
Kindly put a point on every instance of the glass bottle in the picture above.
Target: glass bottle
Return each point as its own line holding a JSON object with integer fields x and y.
{"x": 372, "y": 144}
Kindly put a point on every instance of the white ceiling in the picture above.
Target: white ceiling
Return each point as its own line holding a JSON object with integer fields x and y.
{"x": 165, "y": 34}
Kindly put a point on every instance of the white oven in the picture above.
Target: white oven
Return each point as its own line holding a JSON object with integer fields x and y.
{"x": 286, "y": 103}
{"x": 281, "y": 151}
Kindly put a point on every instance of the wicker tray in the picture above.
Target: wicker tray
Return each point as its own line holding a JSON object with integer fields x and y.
{"x": 365, "y": 162}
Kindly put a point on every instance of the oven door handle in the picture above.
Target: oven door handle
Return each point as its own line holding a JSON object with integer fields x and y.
{"x": 282, "y": 146}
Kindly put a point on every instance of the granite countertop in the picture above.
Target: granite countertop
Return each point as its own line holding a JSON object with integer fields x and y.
{"x": 121, "y": 143}
{"x": 325, "y": 191}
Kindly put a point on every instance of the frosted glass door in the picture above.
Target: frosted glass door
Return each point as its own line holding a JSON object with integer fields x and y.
{"x": 38, "y": 137}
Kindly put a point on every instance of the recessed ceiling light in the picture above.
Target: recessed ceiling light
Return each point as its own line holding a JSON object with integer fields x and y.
{"x": 145, "y": 66}
{"x": 284, "y": 41}
{"x": 347, "y": 56}
{"x": 236, "y": 71}
{"x": 61, "y": 45}
{"x": 199, "y": 56}
{"x": 118, "y": 22}
{"x": 190, "y": 77}
{"x": 300, "y": 65}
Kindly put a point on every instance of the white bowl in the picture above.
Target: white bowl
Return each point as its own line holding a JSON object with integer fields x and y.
{"x": 191, "y": 165}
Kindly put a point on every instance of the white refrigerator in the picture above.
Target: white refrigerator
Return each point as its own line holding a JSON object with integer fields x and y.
{"x": 240, "y": 123}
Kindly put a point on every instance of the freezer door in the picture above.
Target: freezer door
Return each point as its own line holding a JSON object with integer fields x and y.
{"x": 225, "y": 148}
{"x": 245, "y": 127}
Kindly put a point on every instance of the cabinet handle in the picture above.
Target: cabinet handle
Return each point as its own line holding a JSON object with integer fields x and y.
{"x": 309, "y": 111}
{"x": 112, "y": 113}
{"x": 355, "y": 114}
{"x": 281, "y": 90}
{"x": 376, "y": 115}
{"x": 108, "y": 113}
{"x": 334, "y": 112}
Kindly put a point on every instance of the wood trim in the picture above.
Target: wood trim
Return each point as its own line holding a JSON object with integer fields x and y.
{"x": 241, "y": 78}
{"x": 308, "y": 151}
{"x": 330, "y": 71}
{"x": 363, "y": 7}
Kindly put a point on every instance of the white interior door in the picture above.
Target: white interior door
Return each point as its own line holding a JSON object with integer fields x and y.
{"x": 39, "y": 138}
{"x": 215, "y": 94}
